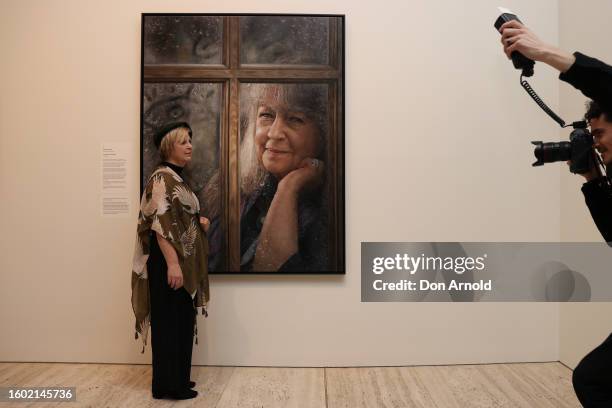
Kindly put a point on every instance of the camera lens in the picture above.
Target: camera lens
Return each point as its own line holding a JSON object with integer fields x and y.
{"x": 552, "y": 152}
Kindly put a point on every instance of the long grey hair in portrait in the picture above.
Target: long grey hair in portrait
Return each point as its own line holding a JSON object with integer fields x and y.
{"x": 310, "y": 99}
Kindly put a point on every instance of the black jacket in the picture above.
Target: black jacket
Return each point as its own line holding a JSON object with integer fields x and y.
{"x": 594, "y": 79}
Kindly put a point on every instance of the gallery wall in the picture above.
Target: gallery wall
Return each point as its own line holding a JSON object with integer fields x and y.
{"x": 584, "y": 27}
{"x": 437, "y": 149}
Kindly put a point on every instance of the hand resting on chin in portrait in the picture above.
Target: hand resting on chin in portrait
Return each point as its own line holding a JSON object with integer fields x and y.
{"x": 278, "y": 239}
{"x": 283, "y": 201}
{"x": 286, "y": 143}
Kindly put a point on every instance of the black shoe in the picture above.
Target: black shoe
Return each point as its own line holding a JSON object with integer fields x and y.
{"x": 191, "y": 384}
{"x": 181, "y": 395}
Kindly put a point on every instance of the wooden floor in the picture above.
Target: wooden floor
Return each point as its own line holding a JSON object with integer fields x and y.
{"x": 531, "y": 385}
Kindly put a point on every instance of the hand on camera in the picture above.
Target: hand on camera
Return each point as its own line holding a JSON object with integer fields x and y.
{"x": 589, "y": 175}
{"x": 517, "y": 37}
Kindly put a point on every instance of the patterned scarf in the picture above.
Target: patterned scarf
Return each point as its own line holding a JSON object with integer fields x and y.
{"x": 169, "y": 208}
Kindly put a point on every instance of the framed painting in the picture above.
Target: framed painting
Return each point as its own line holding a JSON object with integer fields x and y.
{"x": 264, "y": 95}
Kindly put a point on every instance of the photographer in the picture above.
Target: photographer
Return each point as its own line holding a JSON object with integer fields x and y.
{"x": 592, "y": 378}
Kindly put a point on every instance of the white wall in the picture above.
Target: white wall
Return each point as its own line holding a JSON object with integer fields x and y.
{"x": 437, "y": 149}
{"x": 585, "y": 27}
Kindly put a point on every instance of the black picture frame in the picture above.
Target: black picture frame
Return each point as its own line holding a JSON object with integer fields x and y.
{"x": 228, "y": 77}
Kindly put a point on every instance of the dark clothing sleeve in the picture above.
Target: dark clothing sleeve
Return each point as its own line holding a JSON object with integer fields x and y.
{"x": 592, "y": 77}
{"x": 598, "y": 197}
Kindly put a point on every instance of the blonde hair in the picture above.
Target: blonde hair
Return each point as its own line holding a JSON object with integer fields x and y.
{"x": 308, "y": 98}
{"x": 166, "y": 146}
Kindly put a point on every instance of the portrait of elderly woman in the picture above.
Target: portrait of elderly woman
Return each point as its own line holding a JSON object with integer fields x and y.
{"x": 283, "y": 217}
{"x": 264, "y": 95}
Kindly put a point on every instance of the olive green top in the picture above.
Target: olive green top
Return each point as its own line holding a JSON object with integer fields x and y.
{"x": 170, "y": 208}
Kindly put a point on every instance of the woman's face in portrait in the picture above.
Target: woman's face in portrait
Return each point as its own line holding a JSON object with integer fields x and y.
{"x": 284, "y": 138}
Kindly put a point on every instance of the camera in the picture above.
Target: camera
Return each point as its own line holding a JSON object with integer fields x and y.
{"x": 579, "y": 150}
{"x": 519, "y": 60}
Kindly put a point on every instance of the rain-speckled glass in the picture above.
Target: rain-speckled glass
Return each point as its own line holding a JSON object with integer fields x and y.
{"x": 284, "y": 40}
{"x": 199, "y": 105}
{"x": 284, "y": 132}
{"x": 183, "y": 39}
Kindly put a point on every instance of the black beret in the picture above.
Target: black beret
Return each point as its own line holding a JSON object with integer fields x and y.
{"x": 163, "y": 131}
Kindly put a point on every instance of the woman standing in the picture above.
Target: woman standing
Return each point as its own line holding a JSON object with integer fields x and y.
{"x": 170, "y": 273}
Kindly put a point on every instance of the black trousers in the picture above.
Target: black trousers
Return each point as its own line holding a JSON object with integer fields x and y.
{"x": 172, "y": 321}
{"x": 592, "y": 377}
